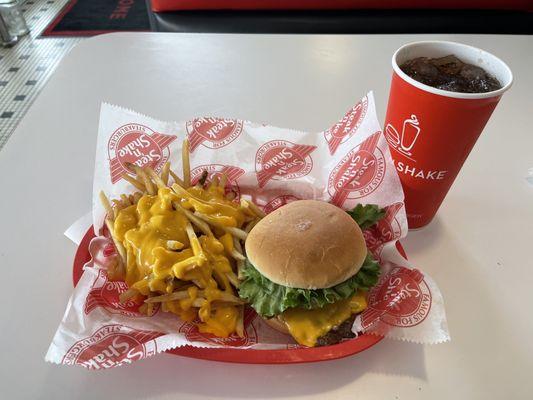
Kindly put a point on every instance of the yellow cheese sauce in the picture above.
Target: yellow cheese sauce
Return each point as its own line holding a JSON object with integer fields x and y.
{"x": 162, "y": 257}
{"x": 306, "y": 326}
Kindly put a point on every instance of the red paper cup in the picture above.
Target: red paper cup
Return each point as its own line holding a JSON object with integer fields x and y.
{"x": 431, "y": 131}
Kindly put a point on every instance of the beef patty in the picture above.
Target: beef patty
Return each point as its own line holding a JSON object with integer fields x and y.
{"x": 338, "y": 334}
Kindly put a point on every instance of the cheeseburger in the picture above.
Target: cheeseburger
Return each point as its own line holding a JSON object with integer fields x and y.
{"x": 308, "y": 269}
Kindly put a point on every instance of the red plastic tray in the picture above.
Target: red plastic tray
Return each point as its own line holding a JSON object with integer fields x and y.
{"x": 285, "y": 356}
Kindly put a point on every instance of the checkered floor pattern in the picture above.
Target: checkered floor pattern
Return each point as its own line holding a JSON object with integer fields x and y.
{"x": 25, "y": 68}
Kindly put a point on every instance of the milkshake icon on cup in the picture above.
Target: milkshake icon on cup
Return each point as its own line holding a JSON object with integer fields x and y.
{"x": 404, "y": 142}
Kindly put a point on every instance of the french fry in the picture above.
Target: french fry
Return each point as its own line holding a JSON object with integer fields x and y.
{"x": 206, "y": 218}
{"x": 182, "y": 294}
{"x": 185, "y": 151}
{"x": 214, "y": 182}
{"x": 120, "y": 248}
{"x": 249, "y": 214}
{"x": 249, "y": 218}
{"x": 194, "y": 242}
{"x": 237, "y": 245}
{"x": 220, "y": 303}
{"x": 240, "y": 263}
{"x": 181, "y": 268}
{"x": 150, "y": 188}
{"x": 240, "y": 269}
{"x": 165, "y": 172}
{"x": 236, "y": 232}
{"x": 138, "y": 184}
{"x": 136, "y": 197}
{"x": 222, "y": 280}
{"x": 195, "y": 220}
{"x": 180, "y": 190}
{"x": 116, "y": 271}
{"x": 256, "y": 210}
{"x": 121, "y": 268}
{"x": 117, "y": 205}
{"x": 230, "y": 298}
{"x": 150, "y": 309}
{"x": 198, "y": 302}
{"x": 174, "y": 245}
{"x": 198, "y": 283}
{"x": 158, "y": 181}
{"x": 125, "y": 200}
{"x": 237, "y": 255}
{"x": 107, "y": 205}
{"x": 223, "y": 180}
{"x": 232, "y": 230}
{"x": 143, "y": 309}
{"x": 233, "y": 278}
{"x": 239, "y": 328}
{"x": 250, "y": 225}
{"x": 176, "y": 178}
{"x": 128, "y": 294}
{"x": 230, "y": 196}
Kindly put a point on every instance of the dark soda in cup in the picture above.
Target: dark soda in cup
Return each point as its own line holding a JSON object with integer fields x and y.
{"x": 442, "y": 95}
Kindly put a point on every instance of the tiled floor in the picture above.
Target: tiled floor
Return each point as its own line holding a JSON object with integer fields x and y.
{"x": 25, "y": 68}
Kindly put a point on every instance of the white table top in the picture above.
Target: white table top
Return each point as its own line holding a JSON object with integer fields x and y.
{"x": 476, "y": 249}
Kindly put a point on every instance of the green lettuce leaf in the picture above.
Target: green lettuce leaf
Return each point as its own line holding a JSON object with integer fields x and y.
{"x": 270, "y": 299}
{"x": 366, "y": 215}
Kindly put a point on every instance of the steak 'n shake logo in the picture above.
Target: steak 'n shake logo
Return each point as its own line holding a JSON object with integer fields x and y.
{"x": 386, "y": 230}
{"x": 279, "y": 201}
{"x": 231, "y": 173}
{"x": 401, "y": 298}
{"x": 191, "y": 332}
{"x": 213, "y": 133}
{"x": 281, "y": 159}
{"x": 111, "y": 346}
{"x": 136, "y": 144}
{"x": 358, "y": 173}
{"x": 343, "y": 130}
{"x": 105, "y": 294}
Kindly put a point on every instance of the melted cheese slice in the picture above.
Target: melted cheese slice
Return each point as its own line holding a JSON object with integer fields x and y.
{"x": 306, "y": 326}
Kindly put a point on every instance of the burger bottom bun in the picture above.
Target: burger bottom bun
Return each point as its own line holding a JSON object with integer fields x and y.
{"x": 277, "y": 324}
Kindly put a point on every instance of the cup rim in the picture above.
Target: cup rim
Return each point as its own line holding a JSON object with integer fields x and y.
{"x": 446, "y": 93}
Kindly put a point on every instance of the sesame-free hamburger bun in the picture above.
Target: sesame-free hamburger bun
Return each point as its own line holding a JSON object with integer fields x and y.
{"x": 307, "y": 244}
